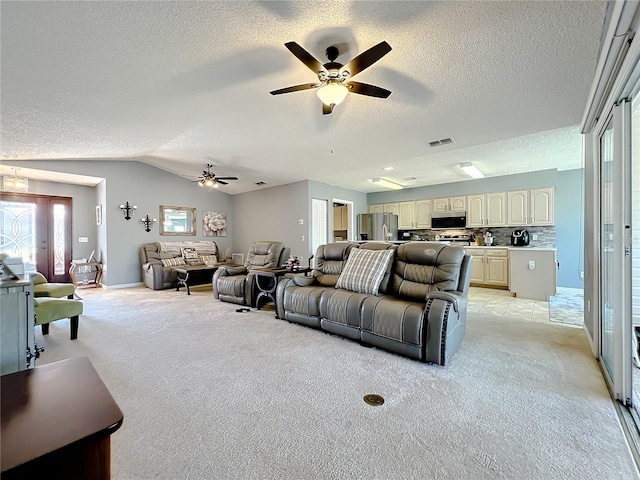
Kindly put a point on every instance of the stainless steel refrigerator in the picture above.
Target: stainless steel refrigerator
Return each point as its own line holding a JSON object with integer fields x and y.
{"x": 378, "y": 226}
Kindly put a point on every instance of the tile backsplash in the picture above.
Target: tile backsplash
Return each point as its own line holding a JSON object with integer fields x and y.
{"x": 546, "y": 236}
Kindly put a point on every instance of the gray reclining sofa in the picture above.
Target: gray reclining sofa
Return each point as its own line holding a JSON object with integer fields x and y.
{"x": 157, "y": 276}
{"x": 419, "y": 310}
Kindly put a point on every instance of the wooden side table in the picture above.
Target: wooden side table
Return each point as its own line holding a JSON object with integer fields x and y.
{"x": 57, "y": 420}
{"x": 92, "y": 270}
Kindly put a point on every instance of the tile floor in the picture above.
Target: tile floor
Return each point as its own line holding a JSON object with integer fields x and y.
{"x": 565, "y": 307}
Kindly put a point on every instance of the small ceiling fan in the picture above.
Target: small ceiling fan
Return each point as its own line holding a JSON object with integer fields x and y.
{"x": 333, "y": 77}
{"x": 209, "y": 179}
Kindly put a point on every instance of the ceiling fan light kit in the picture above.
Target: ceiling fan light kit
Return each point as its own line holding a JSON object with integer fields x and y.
{"x": 382, "y": 182}
{"x": 333, "y": 77}
{"x": 209, "y": 179}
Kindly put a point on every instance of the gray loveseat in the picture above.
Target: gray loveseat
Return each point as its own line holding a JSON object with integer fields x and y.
{"x": 419, "y": 312}
{"x": 157, "y": 276}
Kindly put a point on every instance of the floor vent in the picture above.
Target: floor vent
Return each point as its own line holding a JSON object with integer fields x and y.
{"x": 443, "y": 141}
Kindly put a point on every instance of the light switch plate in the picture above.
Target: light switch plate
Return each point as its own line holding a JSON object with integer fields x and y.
{"x": 83, "y": 239}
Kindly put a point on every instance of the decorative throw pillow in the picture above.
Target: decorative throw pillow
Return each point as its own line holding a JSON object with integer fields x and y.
{"x": 190, "y": 254}
{"x": 172, "y": 262}
{"x": 364, "y": 270}
{"x": 207, "y": 259}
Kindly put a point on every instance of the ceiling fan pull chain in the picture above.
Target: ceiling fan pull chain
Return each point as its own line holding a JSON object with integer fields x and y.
{"x": 332, "y": 133}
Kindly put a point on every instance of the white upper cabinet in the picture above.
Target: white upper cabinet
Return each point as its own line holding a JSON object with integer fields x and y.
{"x": 406, "y": 215}
{"x": 423, "y": 213}
{"x": 391, "y": 208}
{"x": 377, "y": 208}
{"x": 496, "y": 209}
{"x": 476, "y": 214}
{"x": 530, "y": 207}
{"x": 487, "y": 210}
{"x": 541, "y": 206}
{"x": 449, "y": 204}
{"x": 518, "y": 207}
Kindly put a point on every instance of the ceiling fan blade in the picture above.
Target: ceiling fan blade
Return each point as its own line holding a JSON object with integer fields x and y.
{"x": 221, "y": 182}
{"x": 226, "y": 178}
{"x": 305, "y": 57}
{"x": 366, "y": 89}
{"x": 296, "y": 88}
{"x": 327, "y": 109}
{"x": 367, "y": 58}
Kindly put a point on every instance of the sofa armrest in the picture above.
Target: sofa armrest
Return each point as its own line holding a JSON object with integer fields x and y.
{"x": 231, "y": 270}
{"x": 458, "y": 299}
{"x": 152, "y": 275}
{"x": 445, "y": 316}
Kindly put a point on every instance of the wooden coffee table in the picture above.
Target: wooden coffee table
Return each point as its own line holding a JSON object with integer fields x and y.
{"x": 198, "y": 274}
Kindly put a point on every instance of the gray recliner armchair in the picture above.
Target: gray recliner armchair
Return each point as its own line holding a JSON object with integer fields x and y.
{"x": 236, "y": 284}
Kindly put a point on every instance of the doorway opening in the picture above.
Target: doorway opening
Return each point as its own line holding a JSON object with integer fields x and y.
{"x": 342, "y": 220}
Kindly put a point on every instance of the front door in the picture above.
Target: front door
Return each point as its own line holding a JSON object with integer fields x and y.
{"x": 37, "y": 228}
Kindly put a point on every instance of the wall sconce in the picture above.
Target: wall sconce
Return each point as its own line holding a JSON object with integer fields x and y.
{"x": 148, "y": 222}
{"x": 128, "y": 210}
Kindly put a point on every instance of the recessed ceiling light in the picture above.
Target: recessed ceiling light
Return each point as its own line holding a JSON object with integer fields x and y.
{"x": 388, "y": 168}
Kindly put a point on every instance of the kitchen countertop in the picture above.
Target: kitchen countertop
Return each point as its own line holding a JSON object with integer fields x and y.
{"x": 511, "y": 247}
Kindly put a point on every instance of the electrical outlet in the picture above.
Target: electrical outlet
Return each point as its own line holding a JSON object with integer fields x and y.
{"x": 83, "y": 239}
{"x": 581, "y": 274}
{"x": 534, "y": 236}
{"x": 303, "y": 238}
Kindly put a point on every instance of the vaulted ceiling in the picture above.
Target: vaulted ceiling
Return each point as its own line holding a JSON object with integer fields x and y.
{"x": 182, "y": 84}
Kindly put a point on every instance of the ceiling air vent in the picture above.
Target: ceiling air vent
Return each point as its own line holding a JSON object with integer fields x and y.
{"x": 410, "y": 179}
{"x": 443, "y": 141}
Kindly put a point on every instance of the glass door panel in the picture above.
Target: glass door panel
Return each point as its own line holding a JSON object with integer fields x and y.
{"x": 606, "y": 249}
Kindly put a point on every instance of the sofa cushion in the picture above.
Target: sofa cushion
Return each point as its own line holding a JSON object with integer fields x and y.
{"x": 173, "y": 262}
{"x": 364, "y": 270}
{"x": 209, "y": 259}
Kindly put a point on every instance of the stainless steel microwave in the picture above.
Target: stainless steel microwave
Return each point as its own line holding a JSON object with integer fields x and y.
{"x": 449, "y": 220}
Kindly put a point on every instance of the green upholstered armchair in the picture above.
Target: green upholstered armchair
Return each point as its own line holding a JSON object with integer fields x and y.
{"x": 43, "y": 288}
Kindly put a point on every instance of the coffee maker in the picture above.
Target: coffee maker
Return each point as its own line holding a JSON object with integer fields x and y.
{"x": 520, "y": 238}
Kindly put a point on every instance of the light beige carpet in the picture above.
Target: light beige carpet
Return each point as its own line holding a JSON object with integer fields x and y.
{"x": 208, "y": 393}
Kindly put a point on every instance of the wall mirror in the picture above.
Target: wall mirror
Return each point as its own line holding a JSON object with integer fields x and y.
{"x": 177, "y": 220}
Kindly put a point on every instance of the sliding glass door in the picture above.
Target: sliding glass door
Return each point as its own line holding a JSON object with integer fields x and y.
{"x": 615, "y": 253}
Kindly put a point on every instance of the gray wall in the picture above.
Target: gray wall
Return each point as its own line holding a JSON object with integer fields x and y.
{"x": 148, "y": 188}
{"x": 273, "y": 214}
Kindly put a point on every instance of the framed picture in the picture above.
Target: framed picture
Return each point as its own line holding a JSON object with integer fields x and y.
{"x": 98, "y": 214}
{"x": 214, "y": 224}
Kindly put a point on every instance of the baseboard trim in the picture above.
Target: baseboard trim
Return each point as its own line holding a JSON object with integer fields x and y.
{"x": 122, "y": 285}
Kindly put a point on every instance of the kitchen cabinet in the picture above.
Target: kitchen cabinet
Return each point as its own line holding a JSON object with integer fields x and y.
{"x": 449, "y": 204}
{"x": 340, "y": 218}
{"x": 530, "y": 207}
{"x": 423, "y": 210}
{"x": 391, "y": 208}
{"x": 490, "y": 266}
{"x": 406, "y": 215}
{"x": 487, "y": 210}
{"x": 384, "y": 208}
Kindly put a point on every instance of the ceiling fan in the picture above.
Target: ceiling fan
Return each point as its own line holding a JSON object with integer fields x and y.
{"x": 333, "y": 77}
{"x": 209, "y": 179}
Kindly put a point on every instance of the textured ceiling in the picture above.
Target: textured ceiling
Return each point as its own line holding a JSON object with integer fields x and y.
{"x": 181, "y": 84}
